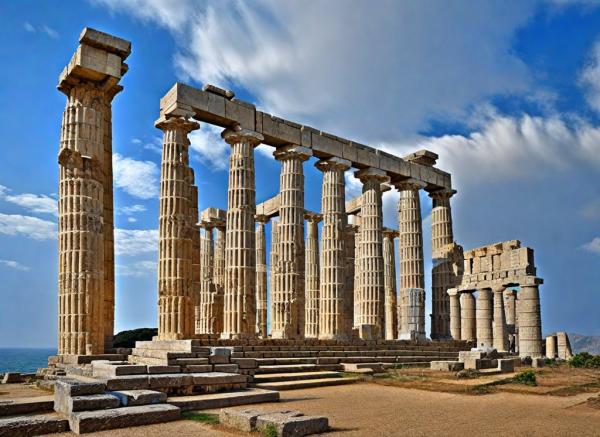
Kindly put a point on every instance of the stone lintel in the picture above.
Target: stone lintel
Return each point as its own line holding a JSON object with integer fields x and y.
{"x": 423, "y": 157}
{"x": 106, "y": 42}
{"x": 218, "y": 217}
{"x": 261, "y": 218}
{"x": 228, "y": 94}
{"x": 269, "y": 208}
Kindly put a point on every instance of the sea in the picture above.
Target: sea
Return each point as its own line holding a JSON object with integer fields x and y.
{"x": 24, "y": 360}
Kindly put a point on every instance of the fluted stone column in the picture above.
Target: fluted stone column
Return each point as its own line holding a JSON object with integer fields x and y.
{"x": 273, "y": 263}
{"x": 311, "y": 328}
{"x": 356, "y": 275}
{"x": 196, "y": 255}
{"x": 454, "y": 313}
{"x": 500, "y": 332}
{"x": 371, "y": 296}
{"x": 530, "y": 321}
{"x": 333, "y": 265}
{"x": 85, "y": 205}
{"x": 261, "y": 276}
{"x": 484, "y": 314}
{"x": 415, "y": 314}
{"x": 219, "y": 278}
{"x": 350, "y": 244}
{"x": 288, "y": 292}
{"x": 240, "y": 250}
{"x": 442, "y": 276}
{"x": 208, "y": 304}
{"x": 175, "y": 278}
{"x": 389, "y": 264}
{"x": 468, "y": 330}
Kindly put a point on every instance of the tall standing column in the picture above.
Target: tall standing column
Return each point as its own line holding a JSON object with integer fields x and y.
{"x": 371, "y": 296}
{"x": 483, "y": 314}
{"x": 454, "y": 313}
{"x": 219, "y": 278}
{"x": 196, "y": 256}
{"x": 333, "y": 265}
{"x": 311, "y": 329}
{"x": 389, "y": 267}
{"x": 207, "y": 320}
{"x": 288, "y": 292}
{"x": 240, "y": 250}
{"x": 85, "y": 206}
{"x": 410, "y": 248}
{"x": 468, "y": 330}
{"x": 261, "y": 277}
{"x": 350, "y": 236}
{"x": 272, "y": 263}
{"x": 530, "y": 321}
{"x": 500, "y": 334}
{"x": 442, "y": 276}
{"x": 175, "y": 278}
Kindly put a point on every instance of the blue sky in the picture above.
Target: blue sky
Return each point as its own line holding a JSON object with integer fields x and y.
{"x": 507, "y": 93}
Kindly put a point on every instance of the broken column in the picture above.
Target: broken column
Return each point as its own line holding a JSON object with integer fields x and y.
{"x": 530, "y": 319}
{"x": 175, "y": 279}
{"x": 389, "y": 264}
{"x": 483, "y": 314}
{"x": 261, "y": 276}
{"x": 333, "y": 263}
{"x": 240, "y": 256}
{"x": 454, "y": 313}
{"x": 442, "y": 276}
{"x": 499, "y": 332}
{"x": 467, "y": 316}
{"x": 86, "y": 235}
{"x": 371, "y": 296}
{"x": 311, "y": 328}
{"x": 288, "y": 293}
{"x": 551, "y": 347}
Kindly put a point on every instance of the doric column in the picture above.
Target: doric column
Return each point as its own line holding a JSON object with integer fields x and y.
{"x": 333, "y": 264}
{"x": 410, "y": 246}
{"x": 311, "y": 328}
{"x": 288, "y": 292}
{"x": 175, "y": 279}
{"x": 389, "y": 268}
{"x": 510, "y": 309}
{"x": 85, "y": 205}
{"x": 273, "y": 262}
{"x": 454, "y": 313}
{"x": 219, "y": 278}
{"x": 371, "y": 296}
{"x": 350, "y": 236}
{"x": 196, "y": 255}
{"x": 500, "y": 334}
{"x": 207, "y": 307}
{"x": 240, "y": 250}
{"x": 551, "y": 346}
{"x": 261, "y": 276}
{"x": 467, "y": 316}
{"x": 530, "y": 321}
{"x": 356, "y": 276}
{"x": 442, "y": 276}
{"x": 483, "y": 314}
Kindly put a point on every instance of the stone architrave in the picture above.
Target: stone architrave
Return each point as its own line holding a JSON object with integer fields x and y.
{"x": 442, "y": 275}
{"x": 389, "y": 264}
{"x": 175, "y": 276}
{"x": 371, "y": 297}
{"x": 500, "y": 333}
{"x": 483, "y": 315}
{"x": 261, "y": 277}
{"x": 311, "y": 328}
{"x": 454, "y": 313}
{"x": 410, "y": 245}
{"x": 288, "y": 293}
{"x": 239, "y": 308}
{"x": 85, "y": 207}
{"x": 333, "y": 265}
{"x": 530, "y": 321}
{"x": 468, "y": 330}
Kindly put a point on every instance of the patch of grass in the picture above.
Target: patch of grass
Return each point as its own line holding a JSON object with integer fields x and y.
{"x": 526, "y": 378}
{"x": 398, "y": 366}
{"x": 480, "y": 389}
{"x": 210, "y": 419}
{"x": 468, "y": 374}
{"x": 269, "y": 430}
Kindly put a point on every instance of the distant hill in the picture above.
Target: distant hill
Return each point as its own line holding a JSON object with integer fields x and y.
{"x": 585, "y": 343}
{"x": 128, "y": 338}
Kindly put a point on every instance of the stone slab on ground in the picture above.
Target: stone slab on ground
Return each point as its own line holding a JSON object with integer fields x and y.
{"x": 223, "y": 400}
{"x": 447, "y": 366}
{"x": 134, "y": 398}
{"x": 102, "y": 401}
{"x": 78, "y": 387}
{"x": 308, "y": 383}
{"x": 277, "y": 377}
{"x": 244, "y": 420}
{"x": 37, "y": 404}
{"x": 12, "y": 378}
{"x": 32, "y": 425}
{"x": 291, "y": 424}
{"x": 91, "y": 421}
{"x": 506, "y": 365}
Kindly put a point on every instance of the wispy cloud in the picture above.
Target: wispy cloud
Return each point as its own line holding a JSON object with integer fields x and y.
{"x": 14, "y": 265}
{"x": 137, "y": 270}
{"x": 28, "y": 27}
{"x": 593, "y": 246}
{"x": 137, "y": 178}
{"x": 208, "y": 146}
{"x": 43, "y": 29}
{"x": 590, "y": 78}
{"x": 131, "y": 242}
{"x": 27, "y": 226}
{"x": 131, "y": 209}
{"x": 38, "y": 203}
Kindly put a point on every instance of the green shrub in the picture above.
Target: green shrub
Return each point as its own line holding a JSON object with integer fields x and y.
{"x": 269, "y": 430}
{"x": 585, "y": 359}
{"x": 527, "y": 378}
{"x": 127, "y": 339}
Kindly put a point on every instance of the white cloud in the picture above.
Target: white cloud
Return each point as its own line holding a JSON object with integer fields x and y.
{"x": 590, "y": 78}
{"x": 130, "y": 242}
{"x": 131, "y": 209}
{"x": 131, "y": 219}
{"x": 31, "y": 227}
{"x": 38, "y": 203}
{"x": 593, "y": 246}
{"x": 136, "y": 141}
{"x": 155, "y": 145}
{"x": 207, "y": 143}
{"x": 137, "y": 178}
{"x": 44, "y": 28}
{"x": 49, "y": 31}
{"x": 29, "y": 27}
{"x": 137, "y": 270}
{"x": 14, "y": 265}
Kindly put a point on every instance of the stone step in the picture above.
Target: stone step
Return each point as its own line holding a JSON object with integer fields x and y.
{"x": 103, "y": 401}
{"x": 224, "y": 400}
{"x": 124, "y": 417}
{"x": 277, "y": 377}
{"x": 104, "y": 369}
{"x": 307, "y": 383}
{"x": 25, "y": 426}
{"x": 294, "y": 360}
{"x": 37, "y": 404}
{"x": 135, "y": 398}
{"x": 287, "y": 368}
{"x": 87, "y": 359}
{"x": 353, "y": 367}
{"x": 191, "y": 361}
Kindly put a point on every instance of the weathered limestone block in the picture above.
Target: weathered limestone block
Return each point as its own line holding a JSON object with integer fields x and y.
{"x": 563, "y": 346}
{"x": 243, "y": 420}
{"x": 447, "y": 366}
{"x": 311, "y": 328}
{"x": 133, "y": 398}
{"x": 293, "y": 424}
{"x": 24, "y": 426}
{"x": 414, "y": 312}
{"x": 506, "y": 365}
{"x": 66, "y": 389}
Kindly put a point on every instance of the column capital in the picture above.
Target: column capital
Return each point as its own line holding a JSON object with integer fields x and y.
{"x": 313, "y": 217}
{"x": 453, "y": 292}
{"x": 292, "y": 151}
{"x": 333, "y": 163}
{"x": 237, "y": 134}
{"x": 261, "y": 218}
{"x": 408, "y": 184}
{"x": 371, "y": 174}
{"x": 390, "y": 233}
{"x": 443, "y": 194}
{"x": 498, "y": 288}
{"x": 171, "y": 123}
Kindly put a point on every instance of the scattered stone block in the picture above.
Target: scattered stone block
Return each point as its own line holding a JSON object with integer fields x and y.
{"x": 12, "y": 378}
{"x": 244, "y": 420}
{"x": 25, "y": 426}
{"x": 538, "y": 362}
{"x": 293, "y": 423}
{"x": 447, "y": 366}
{"x": 66, "y": 389}
{"x": 92, "y": 402}
{"x": 506, "y": 365}
{"x": 37, "y": 404}
{"x": 134, "y": 398}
